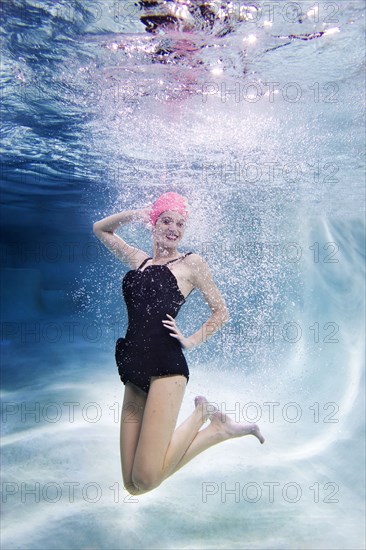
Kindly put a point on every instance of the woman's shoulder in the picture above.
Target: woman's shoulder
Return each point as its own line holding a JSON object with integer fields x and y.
{"x": 195, "y": 260}
{"x": 192, "y": 256}
{"x": 198, "y": 270}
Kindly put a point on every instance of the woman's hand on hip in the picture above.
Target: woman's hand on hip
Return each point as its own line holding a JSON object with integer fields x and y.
{"x": 176, "y": 333}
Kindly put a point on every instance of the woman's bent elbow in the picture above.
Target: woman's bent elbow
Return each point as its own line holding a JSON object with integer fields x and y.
{"x": 96, "y": 227}
{"x": 98, "y": 231}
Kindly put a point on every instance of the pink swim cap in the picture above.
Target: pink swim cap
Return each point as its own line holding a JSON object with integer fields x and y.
{"x": 169, "y": 201}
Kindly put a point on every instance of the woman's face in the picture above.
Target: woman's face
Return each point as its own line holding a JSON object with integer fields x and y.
{"x": 169, "y": 228}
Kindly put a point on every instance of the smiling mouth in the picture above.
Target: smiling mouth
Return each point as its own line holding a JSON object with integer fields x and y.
{"x": 172, "y": 237}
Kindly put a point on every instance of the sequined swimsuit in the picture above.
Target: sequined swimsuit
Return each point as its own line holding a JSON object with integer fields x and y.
{"x": 148, "y": 349}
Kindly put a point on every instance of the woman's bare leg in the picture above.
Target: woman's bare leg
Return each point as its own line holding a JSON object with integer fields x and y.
{"x": 185, "y": 434}
{"x": 131, "y": 420}
{"x": 221, "y": 428}
{"x": 160, "y": 447}
{"x": 161, "y": 450}
{"x": 160, "y": 416}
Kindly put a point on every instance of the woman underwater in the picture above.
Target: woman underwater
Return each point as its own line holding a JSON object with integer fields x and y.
{"x": 150, "y": 359}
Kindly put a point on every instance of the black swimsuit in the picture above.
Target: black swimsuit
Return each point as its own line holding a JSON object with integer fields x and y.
{"x": 148, "y": 349}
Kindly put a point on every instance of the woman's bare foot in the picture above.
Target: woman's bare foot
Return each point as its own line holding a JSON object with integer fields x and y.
{"x": 229, "y": 429}
{"x": 205, "y": 408}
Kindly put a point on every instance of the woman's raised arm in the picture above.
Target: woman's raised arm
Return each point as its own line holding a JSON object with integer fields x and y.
{"x": 105, "y": 229}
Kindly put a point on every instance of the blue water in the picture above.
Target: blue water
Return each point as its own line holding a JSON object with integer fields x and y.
{"x": 259, "y": 121}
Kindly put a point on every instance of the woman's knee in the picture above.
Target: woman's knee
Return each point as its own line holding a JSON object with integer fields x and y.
{"x": 135, "y": 488}
{"x": 145, "y": 481}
